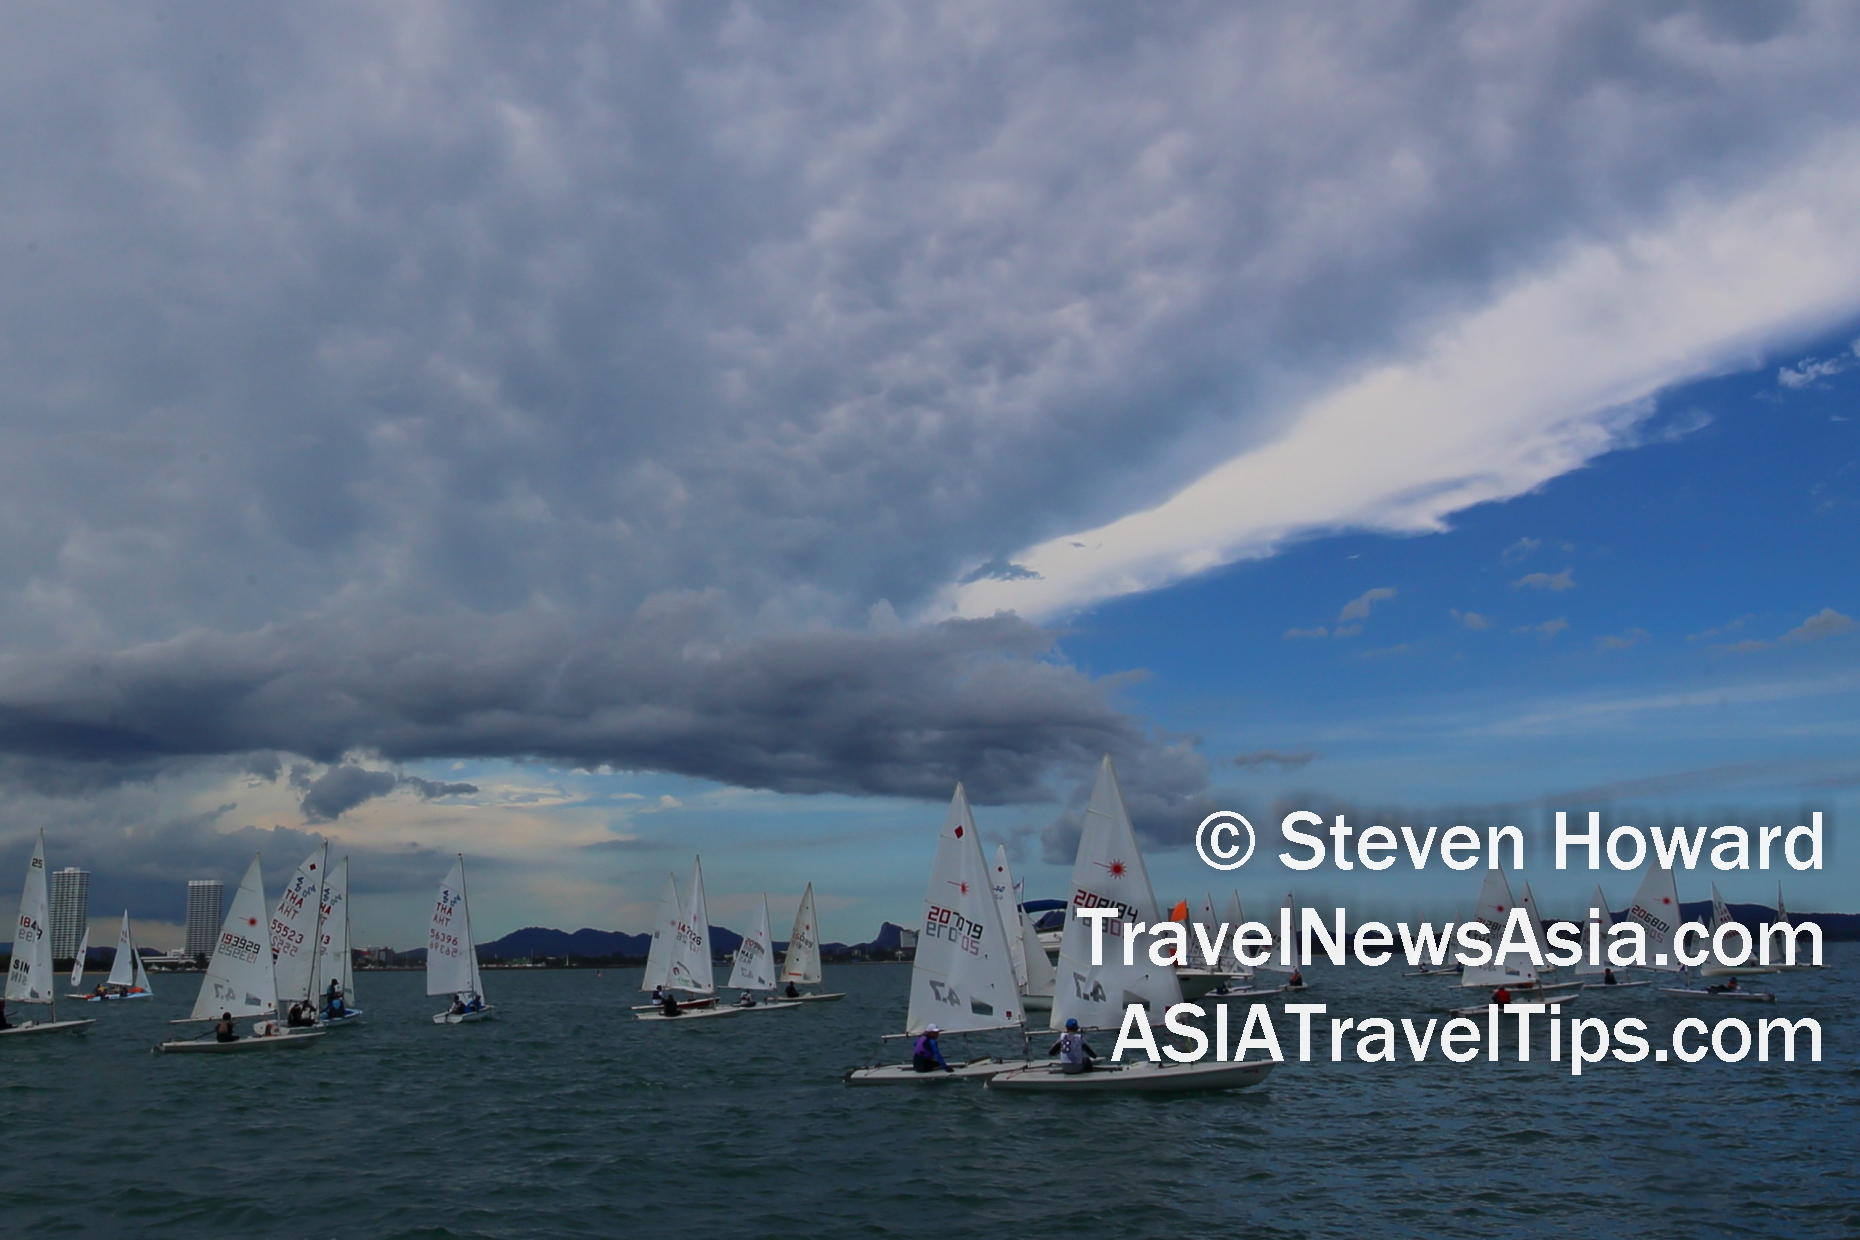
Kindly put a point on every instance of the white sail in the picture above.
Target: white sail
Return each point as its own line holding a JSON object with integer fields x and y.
{"x": 1656, "y": 909}
{"x": 1599, "y": 903}
{"x": 755, "y": 959}
{"x": 123, "y": 968}
{"x": 333, "y": 961}
{"x": 239, "y": 979}
{"x": 1494, "y": 909}
{"x": 801, "y": 964}
{"x": 1720, "y": 915}
{"x": 1230, "y": 956}
{"x": 1276, "y": 958}
{"x": 1109, "y": 872}
{"x": 1536, "y": 925}
{"x": 77, "y": 961}
{"x": 451, "y": 959}
{"x": 962, "y": 978}
{"x": 29, "y": 978}
{"x": 691, "y": 969}
{"x": 1204, "y": 917}
{"x": 141, "y": 984}
{"x": 664, "y": 934}
{"x": 1003, "y": 883}
{"x": 1779, "y": 934}
{"x": 294, "y": 927}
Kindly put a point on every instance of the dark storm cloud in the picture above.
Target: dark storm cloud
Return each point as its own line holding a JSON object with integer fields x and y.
{"x": 901, "y": 712}
{"x": 356, "y": 365}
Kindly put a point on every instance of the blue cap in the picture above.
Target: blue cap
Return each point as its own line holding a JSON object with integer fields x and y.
{"x": 1072, "y": 1024}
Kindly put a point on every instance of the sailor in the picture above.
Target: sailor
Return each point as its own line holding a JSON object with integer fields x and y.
{"x": 745, "y": 1000}
{"x": 1075, "y": 1054}
{"x": 458, "y": 1006}
{"x": 791, "y": 992}
{"x": 1221, "y": 988}
{"x": 3, "y": 1020}
{"x": 474, "y": 1004}
{"x": 224, "y": 1031}
{"x": 1608, "y": 977}
{"x": 101, "y": 991}
{"x": 1297, "y": 979}
{"x": 333, "y": 998}
{"x": 1501, "y": 996}
{"x": 668, "y": 1003}
{"x": 658, "y": 994}
{"x": 926, "y": 1056}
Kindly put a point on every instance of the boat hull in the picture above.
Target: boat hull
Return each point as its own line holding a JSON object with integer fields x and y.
{"x": 684, "y": 1005}
{"x": 87, "y": 997}
{"x": 276, "y": 1042}
{"x": 772, "y": 1005}
{"x": 1613, "y": 985}
{"x": 905, "y": 1074}
{"x": 685, "y": 1017}
{"x": 1745, "y": 996}
{"x": 1141, "y": 1077}
{"x": 835, "y": 997}
{"x": 352, "y": 1017}
{"x": 47, "y": 1026}
{"x": 464, "y": 1018}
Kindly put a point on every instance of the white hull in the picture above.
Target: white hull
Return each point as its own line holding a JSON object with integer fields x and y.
{"x": 772, "y": 1005}
{"x": 276, "y": 1042}
{"x": 1552, "y": 993}
{"x": 1742, "y": 970}
{"x": 1531, "y": 996}
{"x": 351, "y": 1017}
{"x": 47, "y": 1026}
{"x": 686, "y": 1017}
{"x": 87, "y": 997}
{"x": 464, "y": 1018}
{"x": 684, "y": 1005}
{"x": 1747, "y": 996}
{"x": 831, "y": 998}
{"x": 1198, "y": 982}
{"x": 1613, "y": 985}
{"x": 1431, "y": 973}
{"x": 905, "y": 1074}
{"x": 1218, "y": 997}
{"x": 1141, "y": 1077}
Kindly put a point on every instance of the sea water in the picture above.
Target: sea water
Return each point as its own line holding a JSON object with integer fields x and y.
{"x": 565, "y": 1117}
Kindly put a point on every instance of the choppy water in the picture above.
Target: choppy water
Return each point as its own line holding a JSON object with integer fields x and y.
{"x": 567, "y": 1118}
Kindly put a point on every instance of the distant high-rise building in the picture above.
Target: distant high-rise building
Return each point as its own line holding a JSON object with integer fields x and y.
{"x": 70, "y": 910}
{"x": 204, "y": 898}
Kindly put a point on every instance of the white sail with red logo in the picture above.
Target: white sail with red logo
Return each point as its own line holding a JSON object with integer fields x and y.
{"x": 962, "y": 979}
{"x": 691, "y": 969}
{"x": 1003, "y": 883}
{"x": 754, "y": 967}
{"x": 1109, "y": 872}
{"x": 29, "y": 974}
{"x": 1656, "y": 910}
{"x": 451, "y": 957}
{"x": 801, "y": 965}
{"x": 1494, "y": 910}
{"x": 296, "y": 926}
{"x": 239, "y": 977}
{"x": 664, "y": 934}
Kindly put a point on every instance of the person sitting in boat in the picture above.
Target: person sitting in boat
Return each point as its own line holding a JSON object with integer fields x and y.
{"x": 474, "y": 1004}
{"x": 745, "y": 1000}
{"x": 458, "y": 1006}
{"x": 1297, "y": 979}
{"x": 926, "y": 1056}
{"x": 791, "y": 992}
{"x": 332, "y": 999}
{"x": 3, "y": 1020}
{"x": 658, "y": 994}
{"x": 1501, "y": 996}
{"x": 1075, "y": 1054}
{"x": 102, "y": 991}
{"x": 668, "y": 1003}
{"x": 1222, "y": 988}
{"x": 1729, "y": 984}
{"x": 1608, "y": 977}
{"x": 224, "y": 1031}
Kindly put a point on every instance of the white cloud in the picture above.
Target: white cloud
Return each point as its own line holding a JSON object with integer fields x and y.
{"x": 1549, "y": 374}
{"x": 1554, "y": 582}
{"x": 1547, "y": 630}
{"x": 1825, "y": 623}
{"x": 1358, "y": 607}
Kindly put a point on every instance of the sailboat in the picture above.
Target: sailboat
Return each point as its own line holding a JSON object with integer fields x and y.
{"x": 1656, "y": 909}
{"x": 1720, "y": 916}
{"x": 295, "y": 937}
{"x": 335, "y": 968}
{"x": 962, "y": 978}
{"x": 753, "y": 966}
{"x": 240, "y": 981}
{"x": 452, "y": 956}
{"x": 1033, "y": 970}
{"x": 1599, "y": 903}
{"x": 1197, "y": 975}
{"x": 1779, "y": 950}
{"x": 29, "y": 977}
{"x": 665, "y": 931}
{"x": 78, "y": 961}
{"x": 800, "y": 965}
{"x": 1277, "y": 956}
{"x": 128, "y": 979}
{"x": 1515, "y": 974}
{"x": 688, "y": 964}
{"x": 1108, "y": 872}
